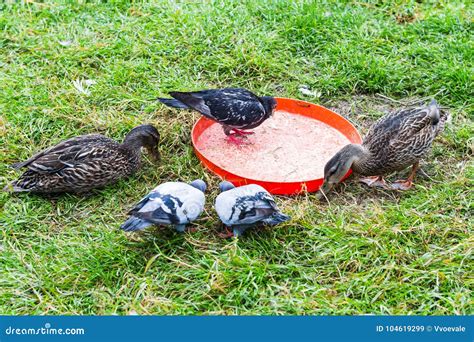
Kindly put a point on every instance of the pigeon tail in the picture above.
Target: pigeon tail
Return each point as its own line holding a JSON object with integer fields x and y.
{"x": 173, "y": 103}
{"x": 133, "y": 224}
{"x": 276, "y": 218}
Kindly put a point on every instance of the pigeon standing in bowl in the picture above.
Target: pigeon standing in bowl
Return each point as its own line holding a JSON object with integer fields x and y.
{"x": 243, "y": 207}
{"x": 170, "y": 203}
{"x": 236, "y": 109}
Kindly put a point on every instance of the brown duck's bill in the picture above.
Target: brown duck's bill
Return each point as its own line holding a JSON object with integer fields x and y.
{"x": 324, "y": 190}
{"x": 155, "y": 154}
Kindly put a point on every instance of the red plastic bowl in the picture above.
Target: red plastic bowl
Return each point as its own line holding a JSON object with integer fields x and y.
{"x": 297, "y": 107}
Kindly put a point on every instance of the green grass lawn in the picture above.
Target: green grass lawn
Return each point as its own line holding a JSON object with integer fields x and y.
{"x": 366, "y": 251}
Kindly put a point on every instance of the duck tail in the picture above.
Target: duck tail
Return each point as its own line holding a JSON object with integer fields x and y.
{"x": 173, "y": 103}
{"x": 444, "y": 118}
{"x": 20, "y": 185}
{"x": 277, "y": 218}
{"x": 19, "y": 165}
{"x": 13, "y": 187}
{"x": 433, "y": 110}
{"x": 134, "y": 224}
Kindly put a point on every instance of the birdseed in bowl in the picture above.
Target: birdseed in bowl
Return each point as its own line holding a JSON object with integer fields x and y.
{"x": 285, "y": 148}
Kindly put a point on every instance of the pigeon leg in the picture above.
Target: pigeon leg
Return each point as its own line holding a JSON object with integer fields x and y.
{"x": 235, "y": 140}
{"x": 240, "y": 229}
{"x": 232, "y": 137}
{"x": 227, "y": 233}
{"x": 407, "y": 184}
{"x": 374, "y": 181}
{"x": 241, "y": 132}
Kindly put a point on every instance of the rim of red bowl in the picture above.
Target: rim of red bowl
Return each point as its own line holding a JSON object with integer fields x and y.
{"x": 293, "y": 106}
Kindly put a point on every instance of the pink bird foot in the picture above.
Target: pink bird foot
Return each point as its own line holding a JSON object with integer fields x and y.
{"x": 237, "y": 140}
{"x": 240, "y": 132}
{"x": 227, "y": 233}
{"x": 402, "y": 185}
{"x": 375, "y": 181}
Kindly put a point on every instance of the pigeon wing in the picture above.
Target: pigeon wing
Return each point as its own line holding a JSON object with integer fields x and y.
{"x": 143, "y": 202}
{"x": 162, "y": 209}
{"x": 236, "y": 107}
{"x": 194, "y": 102}
{"x": 252, "y": 209}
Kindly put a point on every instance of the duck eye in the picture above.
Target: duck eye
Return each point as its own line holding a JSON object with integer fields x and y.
{"x": 332, "y": 170}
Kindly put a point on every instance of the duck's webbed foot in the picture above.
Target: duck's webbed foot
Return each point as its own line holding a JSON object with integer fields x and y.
{"x": 406, "y": 184}
{"x": 375, "y": 181}
{"x": 401, "y": 185}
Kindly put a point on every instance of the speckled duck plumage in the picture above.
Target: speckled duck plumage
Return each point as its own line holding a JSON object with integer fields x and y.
{"x": 393, "y": 143}
{"x": 85, "y": 162}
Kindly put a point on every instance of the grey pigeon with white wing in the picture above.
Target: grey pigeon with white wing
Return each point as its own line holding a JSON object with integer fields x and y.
{"x": 243, "y": 207}
{"x": 170, "y": 203}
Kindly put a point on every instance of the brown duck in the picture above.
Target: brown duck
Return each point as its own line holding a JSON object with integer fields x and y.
{"x": 85, "y": 162}
{"x": 393, "y": 143}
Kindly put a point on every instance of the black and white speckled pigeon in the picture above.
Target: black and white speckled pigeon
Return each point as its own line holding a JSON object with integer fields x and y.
{"x": 170, "y": 203}
{"x": 243, "y": 207}
{"x": 235, "y": 109}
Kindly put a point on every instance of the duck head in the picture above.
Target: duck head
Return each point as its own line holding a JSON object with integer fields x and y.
{"x": 144, "y": 136}
{"x": 338, "y": 166}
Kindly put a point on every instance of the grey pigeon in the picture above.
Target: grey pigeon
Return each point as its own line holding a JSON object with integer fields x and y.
{"x": 170, "y": 203}
{"x": 235, "y": 109}
{"x": 243, "y": 207}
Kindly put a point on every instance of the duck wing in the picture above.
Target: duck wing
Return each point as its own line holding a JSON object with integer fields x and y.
{"x": 401, "y": 127}
{"x": 69, "y": 153}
